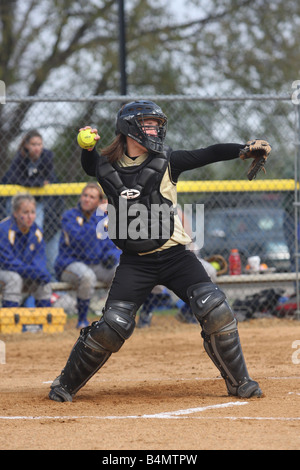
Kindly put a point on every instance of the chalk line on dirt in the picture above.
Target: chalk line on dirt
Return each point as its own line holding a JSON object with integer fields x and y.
{"x": 164, "y": 415}
{"x": 179, "y": 414}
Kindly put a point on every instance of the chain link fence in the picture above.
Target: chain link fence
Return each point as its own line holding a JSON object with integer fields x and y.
{"x": 258, "y": 218}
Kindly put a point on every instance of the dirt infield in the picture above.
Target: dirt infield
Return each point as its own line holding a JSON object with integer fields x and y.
{"x": 159, "y": 392}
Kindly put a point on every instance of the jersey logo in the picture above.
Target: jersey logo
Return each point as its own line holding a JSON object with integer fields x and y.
{"x": 130, "y": 193}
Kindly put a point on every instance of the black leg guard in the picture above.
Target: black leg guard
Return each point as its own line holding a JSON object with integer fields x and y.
{"x": 93, "y": 348}
{"x": 221, "y": 338}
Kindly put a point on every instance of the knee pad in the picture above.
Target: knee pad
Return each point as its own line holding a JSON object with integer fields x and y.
{"x": 94, "y": 347}
{"x": 221, "y": 338}
{"x": 210, "y": 307}
{"x": 116, "y": 325}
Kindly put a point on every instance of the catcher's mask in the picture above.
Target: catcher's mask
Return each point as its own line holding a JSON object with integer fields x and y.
{"x": 130, "y": 122}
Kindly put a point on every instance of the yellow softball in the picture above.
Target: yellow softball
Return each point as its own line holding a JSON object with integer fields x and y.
{"x": 86, "y": 139}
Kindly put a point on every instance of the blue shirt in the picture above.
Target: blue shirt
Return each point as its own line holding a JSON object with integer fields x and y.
{"x": 81, "y": 241}
{"x": 23, "y": 253}
{"x": 27, "y": 173}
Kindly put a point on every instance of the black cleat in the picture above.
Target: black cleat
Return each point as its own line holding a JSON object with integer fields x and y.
{"x": 249, "y": 389}
{"x": 58, "y": 392}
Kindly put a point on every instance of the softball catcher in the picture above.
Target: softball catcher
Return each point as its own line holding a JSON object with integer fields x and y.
{"x": 136, "y": 169}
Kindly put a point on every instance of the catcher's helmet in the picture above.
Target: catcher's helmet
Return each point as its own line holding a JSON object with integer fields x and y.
{"x": 130, "y": 122}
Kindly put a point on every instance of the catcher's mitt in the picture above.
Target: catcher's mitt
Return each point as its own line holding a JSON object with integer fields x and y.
{"x": 259, "y": 151}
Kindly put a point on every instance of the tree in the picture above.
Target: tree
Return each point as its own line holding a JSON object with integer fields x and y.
{"x": 52, "y": 47}
{"x": 57, "y": 47}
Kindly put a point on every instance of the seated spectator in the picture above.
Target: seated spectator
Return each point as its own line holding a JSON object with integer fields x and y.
{"x": 33, "y": 166}
{"x": 84, "y": 255}
{"x": 22, "y": 256}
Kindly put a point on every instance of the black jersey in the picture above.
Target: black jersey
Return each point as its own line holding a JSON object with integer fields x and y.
{"x": 127, "y": 169}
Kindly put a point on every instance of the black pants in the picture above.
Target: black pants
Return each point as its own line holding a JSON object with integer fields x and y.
{"x": 176, "y": 268}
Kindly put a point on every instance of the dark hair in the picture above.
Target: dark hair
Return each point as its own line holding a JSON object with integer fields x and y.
{"x": 115, "y": 150}
{"x": 26, "y": 139}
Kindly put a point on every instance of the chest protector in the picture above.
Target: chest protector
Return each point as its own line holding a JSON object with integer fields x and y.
{"x": 140, "y": 218}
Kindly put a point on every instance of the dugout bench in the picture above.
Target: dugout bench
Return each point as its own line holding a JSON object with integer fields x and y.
{"x": 241, "y": 281}
{"x": 238, "y": 286}
{"x": 50, "y": 320}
